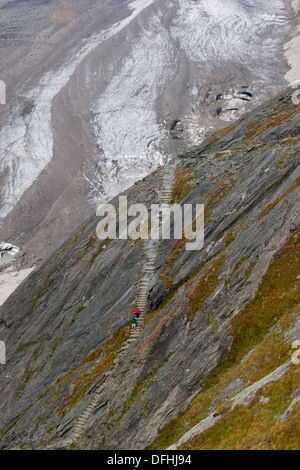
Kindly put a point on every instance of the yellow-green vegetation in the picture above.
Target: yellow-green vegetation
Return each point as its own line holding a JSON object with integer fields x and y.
{"x": 239, "y": 264}
{"x": 166, "y": 280}
{"x": 279, "y": 199}
{"x": 182, "y": 185}
{"x": 107, "y": 352}
{"x": 250, "y": 268}
{"x": 256, "y": 426}
{"x": 277, "y": 297}
{"x": 275, "y": 119}
{"x": 221, "y": 133}
{"x": 250, "y": 127}
{"x": 205, "y": 285}
{"x": 230, "y": 237}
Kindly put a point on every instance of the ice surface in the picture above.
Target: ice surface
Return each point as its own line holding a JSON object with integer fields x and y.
{"x": 26, "y": 145}
{"x": 125, "y": 120}
{"x": 238, "y": 28}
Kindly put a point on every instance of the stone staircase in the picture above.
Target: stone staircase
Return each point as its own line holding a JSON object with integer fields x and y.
{"x": 80, "y": 424}
{"x": 148, "y": 272}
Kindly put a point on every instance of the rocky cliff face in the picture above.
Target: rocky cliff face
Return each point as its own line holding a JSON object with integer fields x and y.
{"x": 212, "y": 366}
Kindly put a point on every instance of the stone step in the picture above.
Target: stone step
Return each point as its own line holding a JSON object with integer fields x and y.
{"x": 77, "y": 431}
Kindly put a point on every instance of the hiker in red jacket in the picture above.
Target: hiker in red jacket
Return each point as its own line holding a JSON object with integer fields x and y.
{"x": 137, "y": 312}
